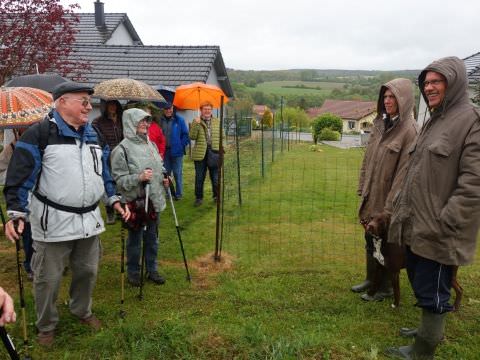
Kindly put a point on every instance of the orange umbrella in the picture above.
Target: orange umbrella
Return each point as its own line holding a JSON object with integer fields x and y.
{"x": 22, "y": 106}
{"x": 190, "y": 96}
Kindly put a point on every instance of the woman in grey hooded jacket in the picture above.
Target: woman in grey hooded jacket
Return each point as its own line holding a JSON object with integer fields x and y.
{"x": 136, "y": 162}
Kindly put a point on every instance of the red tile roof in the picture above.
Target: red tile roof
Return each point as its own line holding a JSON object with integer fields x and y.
{"x": 259, "y": 109}
{"x": 346, "y": 109}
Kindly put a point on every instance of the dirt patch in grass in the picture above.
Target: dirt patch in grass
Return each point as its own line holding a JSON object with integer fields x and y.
{"x": 206, "y": 267}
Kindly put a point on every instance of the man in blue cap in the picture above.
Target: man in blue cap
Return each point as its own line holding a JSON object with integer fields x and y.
{"x": 176, "y": 136}
{"x": 62, "y": 163}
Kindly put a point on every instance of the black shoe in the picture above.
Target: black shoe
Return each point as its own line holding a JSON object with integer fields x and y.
{"x": 134, "y": 279}
{"x": 198, "y": 202}
{"x": 177, "y": 197}
{"x": 156, "y": 278}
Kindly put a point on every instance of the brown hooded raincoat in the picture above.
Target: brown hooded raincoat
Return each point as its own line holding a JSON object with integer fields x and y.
{"x": 437, "y": 212}
{"x": 385, "y": 161}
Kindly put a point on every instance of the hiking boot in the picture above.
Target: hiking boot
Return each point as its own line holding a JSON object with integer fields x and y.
{"x": 110, "y": 218}
{"x": 134, "y": 279}
{"x": 93, "y": 322}
{"x": 198, "y": 202}
{"x": 177, "y": 197}
{"x": 46, "y": 338}
{"x": 156, "y": 278}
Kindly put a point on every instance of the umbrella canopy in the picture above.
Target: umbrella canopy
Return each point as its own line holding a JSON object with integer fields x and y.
{"x": 166, "y": 91}
{"x": 126, "y": 89}
{"x": 190, "y": 96}
{"x": 45, "y": 82}
{"x": 22, "y": 106}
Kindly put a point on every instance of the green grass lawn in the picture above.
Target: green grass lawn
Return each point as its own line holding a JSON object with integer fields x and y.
{"x": 279, "y": 87}
{"x": 290, "y": 254}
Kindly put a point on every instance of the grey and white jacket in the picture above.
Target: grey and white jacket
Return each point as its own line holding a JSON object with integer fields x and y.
{"x": 67, "y": 172}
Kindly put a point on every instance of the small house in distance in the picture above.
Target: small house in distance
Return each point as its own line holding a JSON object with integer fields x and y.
{"x": 357, "y": 116}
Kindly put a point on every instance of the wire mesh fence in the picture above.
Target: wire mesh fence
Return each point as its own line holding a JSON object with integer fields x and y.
{"x": 288, "y": 200}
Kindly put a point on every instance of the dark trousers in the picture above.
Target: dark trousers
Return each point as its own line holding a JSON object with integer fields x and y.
{"x": 431, "y": 282}
{"x": 200, "y": 174}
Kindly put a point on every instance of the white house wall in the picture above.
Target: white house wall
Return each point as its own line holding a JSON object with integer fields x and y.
{"x": 120, "y": 36}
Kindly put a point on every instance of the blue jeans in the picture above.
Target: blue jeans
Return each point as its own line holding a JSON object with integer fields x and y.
{"x": 134, "y": 253}
{"x": 174, "y": 165}
{"x": 27, "y": 246}
{"x": 431, "y": 282}
{"x": 200, "y": 173}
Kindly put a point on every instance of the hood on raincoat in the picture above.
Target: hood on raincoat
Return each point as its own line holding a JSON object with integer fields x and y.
{"x": 455, "y": 73}
{"x": 130, "y": 120}
{"x": 402, "y": 89}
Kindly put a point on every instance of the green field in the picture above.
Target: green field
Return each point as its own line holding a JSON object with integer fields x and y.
{"x": 291, "y": 252}
{"x": 278, "y": 87}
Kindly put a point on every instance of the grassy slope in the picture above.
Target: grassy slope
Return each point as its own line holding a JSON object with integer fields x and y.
{"x": 276, "y": 87}
{"x": 281, "y": 291}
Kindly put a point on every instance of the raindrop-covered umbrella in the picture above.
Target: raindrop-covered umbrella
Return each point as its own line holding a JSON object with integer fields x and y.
{"x": 190, "y": 96}
{"x": 126, "y": 89}
{"x": 45, "y": 82}
{"x": 22, "y": 106}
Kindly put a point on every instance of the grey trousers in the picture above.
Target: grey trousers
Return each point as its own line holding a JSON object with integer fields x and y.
{"x": 48, "y": 263}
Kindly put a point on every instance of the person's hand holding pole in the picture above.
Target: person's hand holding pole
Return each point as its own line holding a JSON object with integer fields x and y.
{"x": 124, "y": 211}
{"x": 14, "y": 229}
{"x": 7, "y": 312}
{"x": 146, "y": 175}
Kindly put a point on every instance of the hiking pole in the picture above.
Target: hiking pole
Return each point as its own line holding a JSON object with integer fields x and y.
{"x": 178, "y": 228}
{"x": 21, "y": 292}
{"x": 8, "y": 344}
{"x": 142, "y": 241}
{"x": 122, "y": 270}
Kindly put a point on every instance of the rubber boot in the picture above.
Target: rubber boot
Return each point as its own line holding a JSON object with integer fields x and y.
{"x": 385, "y": 290}
{"x": 365, "y": 285}
{"x": 429, "y": 335}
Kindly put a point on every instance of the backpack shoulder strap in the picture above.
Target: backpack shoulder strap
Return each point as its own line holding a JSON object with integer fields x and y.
{"x": 44, "y": 127}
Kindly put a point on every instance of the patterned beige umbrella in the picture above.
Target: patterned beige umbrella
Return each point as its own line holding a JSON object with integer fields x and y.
{"x": 127, "y": 89}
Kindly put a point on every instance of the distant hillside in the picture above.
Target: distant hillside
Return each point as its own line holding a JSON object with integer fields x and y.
{"x": 253, "y": 77}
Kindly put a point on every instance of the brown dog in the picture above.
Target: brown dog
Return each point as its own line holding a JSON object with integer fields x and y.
{"x": 394, "y": 261}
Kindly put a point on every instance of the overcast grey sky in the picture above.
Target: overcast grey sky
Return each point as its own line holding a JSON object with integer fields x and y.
{"x": 319, "y": 34}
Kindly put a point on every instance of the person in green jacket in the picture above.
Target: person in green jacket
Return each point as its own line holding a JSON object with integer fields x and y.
{"x": 205, "y": 130}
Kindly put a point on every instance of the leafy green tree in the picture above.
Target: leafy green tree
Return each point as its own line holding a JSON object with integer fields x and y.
{"x": 324, "y": 121}
{"x": 296, "y": 117}
{"x": 328, "y": 134}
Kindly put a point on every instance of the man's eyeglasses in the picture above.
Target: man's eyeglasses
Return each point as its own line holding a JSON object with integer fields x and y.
{"x": 146, "y": 120}
{"x": 85, "y": 102}
{"x": 434, "y": 82}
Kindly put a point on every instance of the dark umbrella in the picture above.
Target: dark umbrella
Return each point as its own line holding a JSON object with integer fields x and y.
{"x": 167, "y": 92}
{"x": 45, "y": 82}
